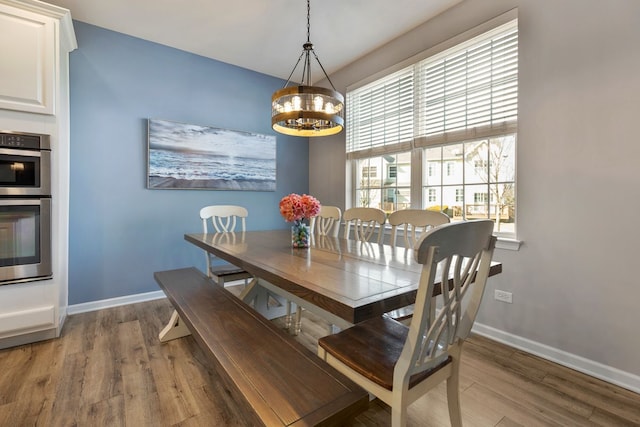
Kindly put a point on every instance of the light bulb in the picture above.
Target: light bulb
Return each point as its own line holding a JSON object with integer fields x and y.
{"x": 297, "y": 103}
{"x": 317, "y": 103}
{"x": 328, "y": 108}
{"x": 287, "y": 107}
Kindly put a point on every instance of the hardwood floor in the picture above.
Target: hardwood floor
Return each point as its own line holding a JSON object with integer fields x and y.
{"x": 109, "y": 369}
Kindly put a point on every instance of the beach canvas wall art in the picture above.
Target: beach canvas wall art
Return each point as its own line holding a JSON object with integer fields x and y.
{"x": 184, "y": 156}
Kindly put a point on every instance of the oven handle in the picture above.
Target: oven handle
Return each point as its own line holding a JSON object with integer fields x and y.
{"x": 22, "y": 153}
{"x": 25, "y": 202}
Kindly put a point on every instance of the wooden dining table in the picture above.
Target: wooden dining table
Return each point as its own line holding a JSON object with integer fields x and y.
{"x": 343, "y": 281}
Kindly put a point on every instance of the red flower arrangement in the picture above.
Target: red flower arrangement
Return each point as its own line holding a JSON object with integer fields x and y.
{"x": 295, "y": 208}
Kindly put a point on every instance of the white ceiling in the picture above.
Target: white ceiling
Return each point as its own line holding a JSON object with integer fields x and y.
{"x": 262, "y": 35}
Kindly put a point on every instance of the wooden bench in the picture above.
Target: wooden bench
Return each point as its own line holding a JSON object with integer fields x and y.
{"x": 277, "y": 380}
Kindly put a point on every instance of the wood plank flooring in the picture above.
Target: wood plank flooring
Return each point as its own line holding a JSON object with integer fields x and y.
{"x": 109, "y": 369}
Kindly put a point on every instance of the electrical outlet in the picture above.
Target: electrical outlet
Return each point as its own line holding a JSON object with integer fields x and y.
{"x": 503, "y": 296}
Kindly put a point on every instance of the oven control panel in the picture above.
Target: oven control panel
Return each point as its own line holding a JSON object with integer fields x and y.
{"x": 31, "y": 141}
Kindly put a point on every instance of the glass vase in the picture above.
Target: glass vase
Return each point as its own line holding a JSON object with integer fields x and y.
{"x": 299, "y": 235}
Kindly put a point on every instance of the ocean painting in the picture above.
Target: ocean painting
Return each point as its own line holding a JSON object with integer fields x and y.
{"x": 183, "y": 156}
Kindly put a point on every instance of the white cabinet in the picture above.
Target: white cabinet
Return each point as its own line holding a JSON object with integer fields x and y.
{"x": 27, "y": 67}
{"x": 35, "y": 41}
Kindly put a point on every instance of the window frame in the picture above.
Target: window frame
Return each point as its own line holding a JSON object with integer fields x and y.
{"x": 417, "y": 145}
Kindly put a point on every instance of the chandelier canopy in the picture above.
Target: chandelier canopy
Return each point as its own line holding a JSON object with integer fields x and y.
{"x": 307, "y": 110}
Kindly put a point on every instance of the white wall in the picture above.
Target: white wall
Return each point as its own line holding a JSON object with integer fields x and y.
{"x": 575, "y": 296}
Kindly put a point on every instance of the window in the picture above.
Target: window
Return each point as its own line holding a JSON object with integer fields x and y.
{"x": 389, "y": 192}
{"x": 432, "y": 195}
{"x": 451, "y": 117}
{"x": 484, "y": 188}
{"x": 369, "y": 172}
{"x": 480, "y": 165}
{"x": 451, "y": 167}
{"x": 480, "y": 197}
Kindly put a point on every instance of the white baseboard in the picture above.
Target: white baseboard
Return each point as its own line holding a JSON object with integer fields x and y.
{"x": 26, "y": 321}
{"x": 28, "y": 338}
{"x": 579, "y": 363}
{"x": 114, "y": 302}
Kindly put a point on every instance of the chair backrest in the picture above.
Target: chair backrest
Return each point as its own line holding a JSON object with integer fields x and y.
{"x": 415, "y": 222}
{"x": 327, "y": 223}
{"x": 460, "y": 254}
{"x": 224, "y": 218}
{"x": 365, "y": 221}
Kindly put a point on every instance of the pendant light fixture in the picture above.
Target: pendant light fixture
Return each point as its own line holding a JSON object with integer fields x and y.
{"x": 307, "y": 110}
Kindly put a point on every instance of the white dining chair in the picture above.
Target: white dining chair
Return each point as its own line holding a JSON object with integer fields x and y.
{"x": 414, "y": 222}
{"x": 224, "y": 219}
{"x": 399, "y": 363}
{"x": 327, "y": 223}
{"x": 366, "y": 223}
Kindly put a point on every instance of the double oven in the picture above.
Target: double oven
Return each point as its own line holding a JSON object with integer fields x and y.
{"x": 25, "y": 207}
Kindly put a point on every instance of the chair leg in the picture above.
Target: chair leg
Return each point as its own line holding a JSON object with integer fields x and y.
{"x": 287, "y": 318}
{"x": 293, "y": 323}
{"x": 298, "y": 321}
{"x": 399, "y": 416}
{"x": 453, "y": 393}
{"x": 453, "y": 398}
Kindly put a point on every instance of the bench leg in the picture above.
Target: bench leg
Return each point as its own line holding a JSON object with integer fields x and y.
{"x": 174, "y": 329}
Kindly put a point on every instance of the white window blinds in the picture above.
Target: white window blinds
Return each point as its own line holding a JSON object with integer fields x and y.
{"x": 469, "y": 91}
{"x": 380, "y": 115}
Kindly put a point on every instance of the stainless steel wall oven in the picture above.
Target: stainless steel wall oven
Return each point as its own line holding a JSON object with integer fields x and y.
{"x": 25, "y": 207}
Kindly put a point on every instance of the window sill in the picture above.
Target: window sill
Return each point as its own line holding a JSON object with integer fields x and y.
{"x": 502, "y": 243}
{"x": 508, "y": 244}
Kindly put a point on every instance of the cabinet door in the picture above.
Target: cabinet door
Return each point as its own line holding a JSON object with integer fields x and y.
{"x": 27, "y": 51}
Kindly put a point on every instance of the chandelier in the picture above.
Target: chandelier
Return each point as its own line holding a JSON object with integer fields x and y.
{"x": 307, "y": 110}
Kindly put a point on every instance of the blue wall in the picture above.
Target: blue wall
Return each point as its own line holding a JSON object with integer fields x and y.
{"x": 121, "y": 232}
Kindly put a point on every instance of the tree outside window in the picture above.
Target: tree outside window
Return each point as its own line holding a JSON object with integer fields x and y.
{"x": 484, "y": 187}
{"x": 498, "y": 155}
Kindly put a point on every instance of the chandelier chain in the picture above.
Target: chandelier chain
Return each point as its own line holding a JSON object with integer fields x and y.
{"x": 308, "y": 21}
{"x": 306, "y": 69}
